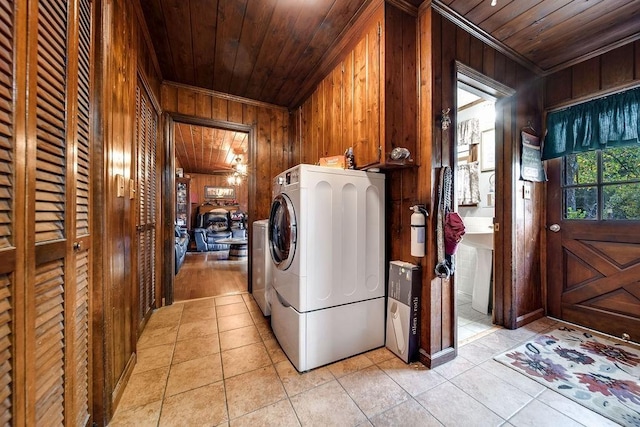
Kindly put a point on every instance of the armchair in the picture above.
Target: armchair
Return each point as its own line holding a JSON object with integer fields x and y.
{"x": 213, "y": 225}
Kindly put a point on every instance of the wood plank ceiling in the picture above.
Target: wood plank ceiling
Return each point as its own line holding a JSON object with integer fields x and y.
{"x": 269, "y": 50}
{"x": 549, "y": 35}
{"x": 258, "y": 49}
{"x": 209, "y": 150}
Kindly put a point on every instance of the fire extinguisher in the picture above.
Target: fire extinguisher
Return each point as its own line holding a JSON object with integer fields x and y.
{"x": 418, "y": 230}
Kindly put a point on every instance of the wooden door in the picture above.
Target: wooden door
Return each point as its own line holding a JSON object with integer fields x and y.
{"x": 45, "y": 238}
{"x": 147, "y": 203}
{"x": 593, "y": 240}
{"x": 10, "y": 304}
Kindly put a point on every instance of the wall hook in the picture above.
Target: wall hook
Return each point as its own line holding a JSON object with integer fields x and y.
{"x": 446, "y": 120}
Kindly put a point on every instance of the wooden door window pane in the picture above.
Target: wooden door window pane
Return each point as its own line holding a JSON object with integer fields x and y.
{"x": 621, "y": 202}
{"x": 621, "y": 164}
{"x": 581, "y": 168}
{"x": 581, "y": 203}
{"x": 602, "y": 184}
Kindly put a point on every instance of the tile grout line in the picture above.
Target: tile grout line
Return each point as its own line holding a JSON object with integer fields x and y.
{"x": 224, "y": 379}
{"x": 164, "y": 392}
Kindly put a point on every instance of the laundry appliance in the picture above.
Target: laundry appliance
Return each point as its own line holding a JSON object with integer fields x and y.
{"x": 261, "y": 266}
{"x": 326, "y": 238}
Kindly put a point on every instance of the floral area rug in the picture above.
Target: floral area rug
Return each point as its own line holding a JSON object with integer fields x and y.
{"x": 600, "y": 374}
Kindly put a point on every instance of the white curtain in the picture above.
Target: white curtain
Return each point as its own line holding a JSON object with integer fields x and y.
{"x": 469, "y": 132}
{"x": 468, "y": 184}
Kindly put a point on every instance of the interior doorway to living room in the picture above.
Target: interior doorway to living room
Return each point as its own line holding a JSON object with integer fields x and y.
{"x": 212, "y": 171}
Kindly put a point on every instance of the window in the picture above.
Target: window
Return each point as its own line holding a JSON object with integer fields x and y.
{"x": 602, "y": 184}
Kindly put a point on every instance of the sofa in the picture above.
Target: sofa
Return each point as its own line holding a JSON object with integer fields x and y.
{"x": 181, "y": 246}
{"x": 212, "y": 226}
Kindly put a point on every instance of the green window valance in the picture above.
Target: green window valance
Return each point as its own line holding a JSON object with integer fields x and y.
{"x": 612, "y": 121}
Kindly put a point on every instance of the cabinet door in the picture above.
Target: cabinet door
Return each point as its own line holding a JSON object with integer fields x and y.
{"x": 147, "y": 203}
{"x": 45, "y": 233}
{"x": 365, "y": 117}
{"x": 9, "y": 192}
{"x": 58, "y": 173}
{"x": 345, "y": 109}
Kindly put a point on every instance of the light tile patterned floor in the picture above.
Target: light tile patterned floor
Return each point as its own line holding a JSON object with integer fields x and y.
{"x": 470, "y": 322}
{"x": 216, "y": 362}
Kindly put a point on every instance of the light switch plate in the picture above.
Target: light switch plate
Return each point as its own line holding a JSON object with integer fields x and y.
{"x": 132, "y": 189}
{"x": 526, "y": 191}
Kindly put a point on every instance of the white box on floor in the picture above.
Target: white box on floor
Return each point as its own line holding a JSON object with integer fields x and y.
{"x": 403, "y": 309}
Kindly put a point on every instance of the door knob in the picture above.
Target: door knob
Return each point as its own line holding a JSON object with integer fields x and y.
{"x": 555, "y": 228}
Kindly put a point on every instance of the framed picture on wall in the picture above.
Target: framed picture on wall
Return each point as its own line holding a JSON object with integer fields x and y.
{"x": 219, "y": 192}
{"x": 488, "y": 151}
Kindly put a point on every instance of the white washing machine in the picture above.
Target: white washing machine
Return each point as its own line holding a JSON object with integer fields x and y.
{"x": 261, "y": 266}
{"x": 326, "y": 238}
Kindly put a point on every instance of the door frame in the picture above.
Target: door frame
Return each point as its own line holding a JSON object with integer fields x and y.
{"x": 168, "y": 191}
{"x": 503, "y": 285}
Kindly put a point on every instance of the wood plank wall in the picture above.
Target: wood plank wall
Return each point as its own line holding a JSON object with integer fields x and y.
{"x": 441, "y": 44}
{"x": 271, "y": 124}
{"x": 369, "y": 101}
{"x": 122, "y": 51}
{"x": 517, "y": 255}
{"x": 344, "y": 109}
{"x": 196, "y": 191}
{"x": 610, "y": 72}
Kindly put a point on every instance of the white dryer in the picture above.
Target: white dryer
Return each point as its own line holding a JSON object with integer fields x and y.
{"x": 261, "y": 266}
{"x": 326, "y": 238}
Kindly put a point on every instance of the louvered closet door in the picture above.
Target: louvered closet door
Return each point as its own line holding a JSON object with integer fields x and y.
{"x": 146, "y": 137}
{"x": 79, "y": 403}
{"x": 58, "y": 171}
{"x": 7, "y": 195}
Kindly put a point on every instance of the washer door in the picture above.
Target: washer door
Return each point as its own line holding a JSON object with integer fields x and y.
{"x": 282, "y": 231}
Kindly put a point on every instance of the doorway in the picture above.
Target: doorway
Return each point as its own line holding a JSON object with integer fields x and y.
{"x": 477, "y": 199}
{"x": 210, "y": 168}
{"x": 475, "y": 195}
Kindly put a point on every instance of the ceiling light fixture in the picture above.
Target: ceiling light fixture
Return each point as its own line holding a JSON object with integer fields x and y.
{"x": 239, "y": 171}
{"x": 234, "y": 179}
{"x": 494, "y": 2}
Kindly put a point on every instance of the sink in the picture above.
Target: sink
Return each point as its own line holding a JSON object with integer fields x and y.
{"x": 478, "y": 240}
{"x": 478, "y": 232}
{"x": 479, "y": 235}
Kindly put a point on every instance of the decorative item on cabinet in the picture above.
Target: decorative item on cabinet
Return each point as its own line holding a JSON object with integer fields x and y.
{"x": 183, "y": 204}
{"x": 399, "y": 157}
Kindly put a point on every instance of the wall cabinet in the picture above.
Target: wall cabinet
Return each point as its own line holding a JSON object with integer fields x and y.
{"x": 368, "y": 101}
{"x": 183, "y": 204}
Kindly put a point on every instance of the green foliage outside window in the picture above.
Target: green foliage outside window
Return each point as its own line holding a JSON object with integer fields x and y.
{"x": 603, "y": 184}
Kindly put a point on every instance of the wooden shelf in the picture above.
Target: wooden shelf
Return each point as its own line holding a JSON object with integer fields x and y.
{"x": 390, "y": 163}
